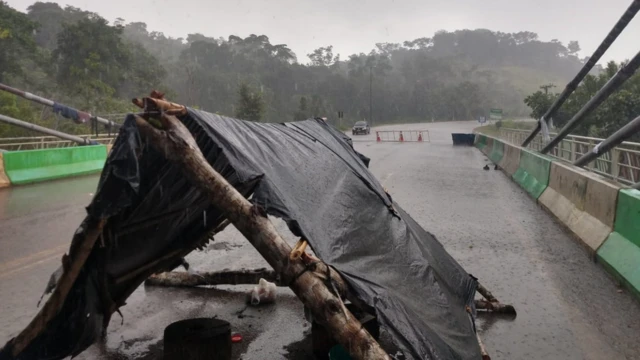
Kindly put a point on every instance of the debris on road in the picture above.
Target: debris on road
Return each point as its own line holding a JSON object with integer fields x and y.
{"x": 159, "y": 184}
{"x": 236, "y": 338}
{"x": 224, "y": 277}
{"x": 263, "y": 293}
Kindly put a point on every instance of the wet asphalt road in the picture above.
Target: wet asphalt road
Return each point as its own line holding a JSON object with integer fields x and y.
{"x": 568, "y": 308}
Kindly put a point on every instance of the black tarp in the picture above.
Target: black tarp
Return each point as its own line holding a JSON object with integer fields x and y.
{"x": 305, "y": 172}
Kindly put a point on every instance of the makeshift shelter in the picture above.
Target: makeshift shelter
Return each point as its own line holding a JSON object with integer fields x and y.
{"x": 147, "y": 215}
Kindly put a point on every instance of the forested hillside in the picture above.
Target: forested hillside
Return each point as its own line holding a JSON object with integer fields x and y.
{"x": 80, "y": 59}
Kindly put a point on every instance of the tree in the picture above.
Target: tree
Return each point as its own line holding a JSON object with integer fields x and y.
{"x": 573, "y": 47}
{"x": 16, "y": 40}
{"x": 322, "y": 56}
{"x": 620, "y": 107}
{"x": 540, "y": 102}
{"x": 84, "y": 61}
{"x": 250, "y": 104}
{"x": 91, "y": 53}
{"x": 303, "y": 111}
{"x": 94, "y": 61}
{"x": 51, "y": 17}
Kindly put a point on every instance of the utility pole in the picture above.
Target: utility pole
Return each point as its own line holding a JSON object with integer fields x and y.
{"x": 370, "y": 95}
{"x": 546, "y": 88}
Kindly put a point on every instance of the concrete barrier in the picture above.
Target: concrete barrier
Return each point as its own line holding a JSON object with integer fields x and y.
{"x": 582, "y": 201}
{"x": 497, "y": 151}
{"x": 510, "y": 159}
{"x": 23, "y": 167}
{"x": 605, "y": 217}
{"x": 533, "y": 172}
{"x": 4, "y": 180}
{"x": 620, "y": 253}
{"x": 481, "y": 141}
{"x": 488, "y": 148}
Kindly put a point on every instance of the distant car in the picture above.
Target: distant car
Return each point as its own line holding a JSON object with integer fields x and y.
{"x": 360, "y": 127}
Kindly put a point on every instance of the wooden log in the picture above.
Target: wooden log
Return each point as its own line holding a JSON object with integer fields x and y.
{"x": 486, "y": 293}
{"x": 82, "y": 246}
{"x": 179, "y": 146}
{"x": 224, "y": 277}
{"x": 491, "y": 303}
{"x": 483, "y": 349}
{"x": 152, "y": 104}
{"x": 495, "y": 307}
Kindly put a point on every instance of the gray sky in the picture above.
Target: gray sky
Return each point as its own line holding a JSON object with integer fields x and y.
{"x": 355, "y": 26}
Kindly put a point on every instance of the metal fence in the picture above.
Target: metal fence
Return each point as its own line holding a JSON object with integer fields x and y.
{"x": 48, "y": 142}
{"x": 622, "y": 163}
{"x": 402, "y": 136}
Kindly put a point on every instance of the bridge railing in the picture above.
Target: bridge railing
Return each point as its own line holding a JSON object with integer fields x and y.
{"x": 621, "y": 163}
{"x": 49, "y": 142}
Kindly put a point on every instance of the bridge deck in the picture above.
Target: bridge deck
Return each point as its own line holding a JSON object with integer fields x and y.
{"x": 567, "y": 306}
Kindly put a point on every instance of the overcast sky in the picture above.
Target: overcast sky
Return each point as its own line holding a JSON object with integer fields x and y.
{"x": 355, "y": 26}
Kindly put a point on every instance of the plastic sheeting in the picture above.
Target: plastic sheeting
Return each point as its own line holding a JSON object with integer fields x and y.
{"x": 304, "y": 172}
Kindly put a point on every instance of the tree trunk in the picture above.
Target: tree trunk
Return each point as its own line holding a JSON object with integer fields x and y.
{"x": 178, "y": 146}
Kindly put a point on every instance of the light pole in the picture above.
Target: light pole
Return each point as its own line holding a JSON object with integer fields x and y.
{"x": 370, "y": 95}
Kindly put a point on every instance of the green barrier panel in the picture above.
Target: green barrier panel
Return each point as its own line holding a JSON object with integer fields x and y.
{"x": 533, "y": 172}
{"x": 488, "y": 146}
{"x": 621, "y": 258}
{"x": 620, "y": 253}
{"x": 23, "y": 167}
{"x": 628, "y": 215}
{"x": 497, "y": 152}
{"x": 482, "y": 141}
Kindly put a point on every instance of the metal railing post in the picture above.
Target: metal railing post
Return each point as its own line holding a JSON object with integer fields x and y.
{"x": 615, "y": 159}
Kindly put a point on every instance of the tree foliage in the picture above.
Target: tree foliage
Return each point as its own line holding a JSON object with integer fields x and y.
{"x": 79, "y": 58}
{"x": 250, "y": 105}
{"x": 16, "y": 40}
{"x": 620, "y": 108}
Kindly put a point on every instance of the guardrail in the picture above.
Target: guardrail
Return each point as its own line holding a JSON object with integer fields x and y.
{"x": 621, "y": 163}
{"x": 49, "y": 142}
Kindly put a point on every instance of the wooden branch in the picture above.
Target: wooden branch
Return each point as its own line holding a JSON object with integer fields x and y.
{"x": 486, "y": 293}
{"x": 483, "y": 349}
{"x": 495, "y": 307}
{"x": 178, "y": 146}
{"x": 491, "y": 303}
{"x": 152, "y": 104}
{"x": 224, "y": 277}
{"x": 71, "y": 264}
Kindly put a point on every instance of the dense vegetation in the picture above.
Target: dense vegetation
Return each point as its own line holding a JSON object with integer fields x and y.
{"x": 620, "y": 108}
{"x": 78, "y": 58}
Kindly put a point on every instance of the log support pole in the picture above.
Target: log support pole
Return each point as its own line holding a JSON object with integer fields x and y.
{"x": 178, "y": 146}
{"x": 491, "y": 303}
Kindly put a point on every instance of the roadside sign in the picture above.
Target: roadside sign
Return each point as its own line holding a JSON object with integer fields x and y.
{"x": 482, "y": 119}
{"x": 495, "y": 114}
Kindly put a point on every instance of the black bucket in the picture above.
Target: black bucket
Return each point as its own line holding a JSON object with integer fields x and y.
{"x": 198, "y": 339}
